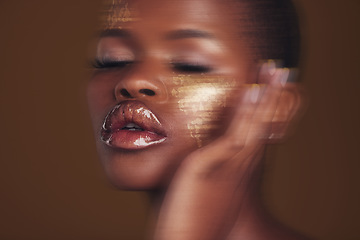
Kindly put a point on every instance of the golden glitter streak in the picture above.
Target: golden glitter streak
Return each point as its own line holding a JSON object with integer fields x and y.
{"x": 117, "y": 12}
{"x": 204, "y": 97}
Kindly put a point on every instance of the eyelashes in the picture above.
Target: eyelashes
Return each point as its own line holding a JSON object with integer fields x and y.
{"x": 184, "y": 67}
{"x": 181, "y": 67}
{"x": 107, "y": 64}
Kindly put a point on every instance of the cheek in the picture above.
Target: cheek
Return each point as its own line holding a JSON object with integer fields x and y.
{"x": 204, "y": 102}
{"x": 100, "y": 94}
{"x": 100, "y": 98}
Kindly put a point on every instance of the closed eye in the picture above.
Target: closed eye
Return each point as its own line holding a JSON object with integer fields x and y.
{"x": 110, "y": 64}
{"x": 191, "y": 67}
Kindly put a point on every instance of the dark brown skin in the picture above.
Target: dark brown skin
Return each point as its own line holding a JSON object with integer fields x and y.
{"x": 209, "y": 192}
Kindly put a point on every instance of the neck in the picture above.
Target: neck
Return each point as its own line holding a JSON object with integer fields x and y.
{"x": 238, "y": 215}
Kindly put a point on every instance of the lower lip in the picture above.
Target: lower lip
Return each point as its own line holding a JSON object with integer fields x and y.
{"x": 132, "y": 140}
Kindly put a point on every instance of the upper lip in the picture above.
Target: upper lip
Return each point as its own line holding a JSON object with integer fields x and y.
{"x": 132, "y": 112}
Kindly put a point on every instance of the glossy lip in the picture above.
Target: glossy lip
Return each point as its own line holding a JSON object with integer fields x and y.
{"x": 113, "y": 134}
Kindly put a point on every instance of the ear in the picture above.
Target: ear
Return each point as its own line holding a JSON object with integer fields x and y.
{"x": 288, "y": 111}
{"x": 290, "y": 101}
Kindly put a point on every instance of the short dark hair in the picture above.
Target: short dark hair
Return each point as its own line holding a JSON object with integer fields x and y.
{"x": 272, "y": 28}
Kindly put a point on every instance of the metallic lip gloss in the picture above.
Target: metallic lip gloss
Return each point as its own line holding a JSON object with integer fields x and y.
{"x": 131, "y": 125}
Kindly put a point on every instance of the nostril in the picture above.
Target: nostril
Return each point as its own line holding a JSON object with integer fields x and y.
{"x": 148, "y": 92}
{"x": 125, "y": 93}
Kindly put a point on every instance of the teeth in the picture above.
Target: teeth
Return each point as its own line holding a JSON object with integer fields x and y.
{"x": 132, "y": 127}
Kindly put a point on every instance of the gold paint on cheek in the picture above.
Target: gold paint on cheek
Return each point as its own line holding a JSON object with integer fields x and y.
{"x": 118, "y": 12}
{"x": 202, "y": 99}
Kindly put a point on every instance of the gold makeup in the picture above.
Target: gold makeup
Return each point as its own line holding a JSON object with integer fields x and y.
{"x": 117, "y": 12}
{"x": 203, "y": 100}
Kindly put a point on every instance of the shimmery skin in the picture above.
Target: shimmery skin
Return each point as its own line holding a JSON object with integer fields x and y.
{"x": 204, "y": 97}
{"x": 118, "y": 12}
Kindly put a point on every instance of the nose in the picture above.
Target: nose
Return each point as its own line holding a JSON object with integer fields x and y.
{"x": 141, "y": 83}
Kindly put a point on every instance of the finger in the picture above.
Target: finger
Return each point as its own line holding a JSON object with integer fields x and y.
{"x": 251, "y": 121}
{"x": 234, "y": 139}
{"x": 240, "y": 125}
{"x": 266, "y": 109}
{"x": 257, "y": 107}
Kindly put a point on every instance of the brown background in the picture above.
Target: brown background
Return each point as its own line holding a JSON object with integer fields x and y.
{"x": 51, "y": 183}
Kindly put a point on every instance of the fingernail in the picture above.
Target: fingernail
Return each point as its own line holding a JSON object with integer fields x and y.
{"x": 254, "y": 93}
{"x": 284, "y": 76}
{"x": 271, "y": 67}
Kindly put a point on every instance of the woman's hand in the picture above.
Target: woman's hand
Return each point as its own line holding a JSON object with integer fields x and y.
{"x": 205, "y": 197}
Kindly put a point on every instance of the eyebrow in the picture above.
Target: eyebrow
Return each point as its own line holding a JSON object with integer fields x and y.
{"x": 188, "y": 33}
{"x": 114, "y": 32}
{"x": 172, "y": 35}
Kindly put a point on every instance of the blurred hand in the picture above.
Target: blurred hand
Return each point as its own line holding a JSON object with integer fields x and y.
{"x": 205, "y": 197}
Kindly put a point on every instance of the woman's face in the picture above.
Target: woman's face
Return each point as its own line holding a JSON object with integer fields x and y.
{"x": 169, "y": 76}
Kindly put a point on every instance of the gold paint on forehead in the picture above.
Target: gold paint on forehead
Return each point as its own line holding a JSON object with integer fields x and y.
{"x": 204, "y": 97}
{"x": 118, "y": 11}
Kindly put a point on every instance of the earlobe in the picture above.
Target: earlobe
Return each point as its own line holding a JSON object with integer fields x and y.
{"x": 290, "y": 105}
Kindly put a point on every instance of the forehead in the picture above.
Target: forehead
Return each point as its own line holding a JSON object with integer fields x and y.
{"x": 151, "y": 19}
{"x": 200, "y": 11}
{"x": 212, "y": 14}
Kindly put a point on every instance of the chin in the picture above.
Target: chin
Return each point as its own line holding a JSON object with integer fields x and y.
{"x": 140, "y": 180}
{"x": 146, "y": 169}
